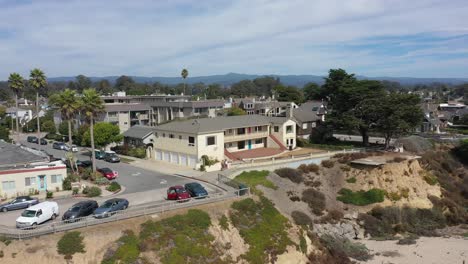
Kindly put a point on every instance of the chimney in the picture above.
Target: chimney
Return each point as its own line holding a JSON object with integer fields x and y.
{"x": 289, "y": 112}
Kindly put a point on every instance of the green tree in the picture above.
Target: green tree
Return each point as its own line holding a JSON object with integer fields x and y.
{"x": 49, "y": 127}
{"x": 69, "y": 105}
{"x": 82, "y": 82}
{"x": 37, "y": 80}
{"x": 213, "y": 91}
{"x": 63, "y": 128}
{"x": 398, "y": 114}
{"x": 92, "y": 105}
{"x": 124, "y": 83}
{"x": 337, "y": 79}
{"x": 104, "y": 87}
{"x": 235, "y": 111}
{"x": 463, "y": 120}
{"x": 313, "y": 91}
{"x": 184, "y": 75}
{"x": 104, "y": 134}
{"x": 4, "y": 133}
{"x": 16, "y": 84}
{"x": 289, "y": 94}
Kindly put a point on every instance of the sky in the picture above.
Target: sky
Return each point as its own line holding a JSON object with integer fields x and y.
{"x": 418, "y": 38}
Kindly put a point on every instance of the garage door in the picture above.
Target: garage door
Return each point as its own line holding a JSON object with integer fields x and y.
{"x": 183, "y": 159}
{"x": 167, "y": 156}
{"x": 159, "y": 155}
{"x": 174, "y": 157}
{"x": 192, "y": 161}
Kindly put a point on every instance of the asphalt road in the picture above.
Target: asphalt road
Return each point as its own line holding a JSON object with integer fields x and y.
{"x": 133, "y": 178}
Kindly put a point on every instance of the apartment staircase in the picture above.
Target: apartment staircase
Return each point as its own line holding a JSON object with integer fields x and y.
{"x": 229, "y": 155}
{"x": 280, "y": 144}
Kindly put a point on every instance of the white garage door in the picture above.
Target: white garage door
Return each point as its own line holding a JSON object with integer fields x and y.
{"x": 159, "y": 155}
{"x": 183, "y": 159}
{"x": 174, "y": 157}
{"x": 192, "y": 161}
{"x": 167, "y": 156}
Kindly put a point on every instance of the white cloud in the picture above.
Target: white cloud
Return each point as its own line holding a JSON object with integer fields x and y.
{"x": 158, "y": 38}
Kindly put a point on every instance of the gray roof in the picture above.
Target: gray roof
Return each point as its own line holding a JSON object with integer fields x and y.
{"x": 310, "y": 105}
{"x": 206, "y": 125}
{"x": 11, "y": 154}
{"x": 189, "y": 104}
{"x": 126, "y": 107}
{"x": 140, "y": 132}
{"x": 305, "y": 116}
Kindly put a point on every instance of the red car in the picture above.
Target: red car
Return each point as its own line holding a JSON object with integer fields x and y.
{"x": 178, "y": 193}
{"x": 108, "y": 173}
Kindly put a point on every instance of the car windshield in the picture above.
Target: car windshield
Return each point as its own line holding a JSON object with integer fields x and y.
{"x": 181, "y": 190}
{"x": 107, "y": 205}
{"x": 74, "y": 209}
{"x": 28, "y": 213}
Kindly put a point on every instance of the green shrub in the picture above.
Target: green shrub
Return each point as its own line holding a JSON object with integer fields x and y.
{"x": 393, "y": 196}
{"x": 356, "y": 251}
{"x": 207, "y": 161}
{"x": 361, "y": 197}
{"x": 127, "y": 252}
{"x": 114, "y": 187}
{"x": 100, "y": 180}
{"x": 223, "y": 222}
{"x": 92, "y": 191}
{"x": 315, "y": 200}
{"x": 49, "y": 195}
{"x": 70, "y": 243}
{"x": 66, "y": 183}
{"x": 5, "y": 240}
{"x": 333, "y": 217}
{"x": 86, "y": 174}
{"x": 328, "y": 163}
{"x": 262, "y": 227}
{"x": 430, "y": 179}
{"x": 301, "y": 219}
{"x": 75, "y": 191}
{"x": 254, "y": 178}
{"x": 351, "y": 180}
{"x": 291, "y": 174}
{"x": 303, "y": 244}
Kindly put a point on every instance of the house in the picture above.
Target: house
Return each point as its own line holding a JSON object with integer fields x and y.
{"x": 24, "y": 171}
{"x": 24, "y": 115}
{"x": 228, "y": 137}
{"x": 318, "y": 107}
{"x": 268, "y": 107}
{"x": 127, "y": 115}
{"x": 306, "y": 121}
{"x": 139, "y": 136}
{"x": 431, "y": 120}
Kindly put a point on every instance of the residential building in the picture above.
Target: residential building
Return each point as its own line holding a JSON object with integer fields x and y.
{"x": 24, "y": 171}
{"x": 139, "y": 136}
{"x": 431, "y": 120}
{"x": 127, "y": 115}
{"x": 185, "y": 142}
{"x": 268, "y": 107}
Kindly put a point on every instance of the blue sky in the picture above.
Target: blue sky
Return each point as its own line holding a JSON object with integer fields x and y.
{"x": 419, "y": 38}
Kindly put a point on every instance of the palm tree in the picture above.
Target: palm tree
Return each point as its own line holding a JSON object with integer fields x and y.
{"x": 68, "y": 104}
{"x": 16, "y": 83}
{"x": 92, "y": 105}
{"x": 184, "y": 75}
{"x": 37, "y": 79}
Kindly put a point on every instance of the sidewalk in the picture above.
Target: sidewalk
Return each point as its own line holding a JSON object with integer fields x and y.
{"x": 167, "y": 168}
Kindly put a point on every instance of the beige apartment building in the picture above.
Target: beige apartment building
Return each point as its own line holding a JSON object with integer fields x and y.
{"x": 185, "y": 142}
{"x": 24, "y": 171}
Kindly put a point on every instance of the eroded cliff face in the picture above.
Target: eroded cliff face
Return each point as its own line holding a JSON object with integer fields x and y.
{"x": 406, "y": 183}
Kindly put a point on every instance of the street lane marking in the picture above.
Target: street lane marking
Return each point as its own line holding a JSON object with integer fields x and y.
{"x": 136, "y": 174}
{"x": 163, "y": 182}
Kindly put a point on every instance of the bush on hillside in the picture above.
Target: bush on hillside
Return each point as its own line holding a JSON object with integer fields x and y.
{"x": 307, "y": 168}
{"x": 301, "y": 218}
{"x": 70, "y": 243}
{"x": 291, "y": 174}
{"x": 315, "y": 200}
{"x": 351, "y": 249}
{"x": 361, "y": 197}
{"x": 328, "y": 163}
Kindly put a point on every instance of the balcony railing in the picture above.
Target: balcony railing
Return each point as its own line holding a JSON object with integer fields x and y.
{"x": 246, "y": 136}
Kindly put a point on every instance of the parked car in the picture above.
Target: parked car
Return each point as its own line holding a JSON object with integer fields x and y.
{"x": 82, "y": 164}
{"x": 178, "y": 193}
{"x": 81, "y": 209}
{"x": 111, "y": 156}
{"x": 74, "y": 148}
{"x": 43, "y": 141}
{"x": 32, "y": 139}
{"x": 37, "y": 214}
{"x": 99, "y": 154}
{"x": 108, "y": 173}
{"x": 196, "y": 190}
{"x": 110, "y": 207}
{"x": 19, "y": 202}
{"x": 60, "y": 146}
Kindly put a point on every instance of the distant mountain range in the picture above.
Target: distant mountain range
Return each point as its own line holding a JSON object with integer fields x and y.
{"x": 296, "y": 80}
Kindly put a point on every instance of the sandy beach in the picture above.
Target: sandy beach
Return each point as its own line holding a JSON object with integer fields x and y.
{"x": 427, "y": 250}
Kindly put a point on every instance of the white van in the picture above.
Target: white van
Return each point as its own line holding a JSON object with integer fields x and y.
{"x": 37, "y": 214}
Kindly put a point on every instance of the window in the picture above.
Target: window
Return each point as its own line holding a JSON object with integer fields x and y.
{"x": 289, "y": 129}
{"x": 210, "y": 141}
{"x": 28, "y": 181}
{"x": 191, "y": 141}
{"x": 240, "y": 131}
{"x": 314, "y": 124}
{"x": 171, "y": 135}
{"x": 8, "y": 185}
{"x": 258, "y": 129}
{"x": 304, "y": 126}
{"x": 259, "y": 141}
{"x": 125, "y": 123}
{"x": 180, "y": 137}
{"x": 56, "y": 178}
{"x": 276, "y": 129}
{"x": 164, "y": 135}
{"x": 112, "y": 114}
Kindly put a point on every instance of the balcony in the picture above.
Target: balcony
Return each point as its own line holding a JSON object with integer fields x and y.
{"x": 112, "y": 119}
{"x": 140, "y": 117}
{"x": 247, "y": 136}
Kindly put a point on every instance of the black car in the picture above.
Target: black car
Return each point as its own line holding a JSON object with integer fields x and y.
{"x": 43, "y": 141}
{"x": 32, "y": 139}
{"x": 81, "y": 209}
{"x": 84, "y": 164}
{"x": 110, "y": 207}
{"x": 19, "y": 202}
{"x": 196, "y": 190}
